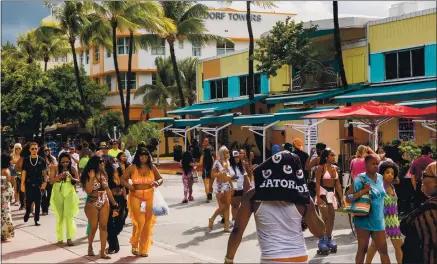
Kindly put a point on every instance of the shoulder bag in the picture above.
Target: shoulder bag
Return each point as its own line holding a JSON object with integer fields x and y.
{"x": 361, "y": 206}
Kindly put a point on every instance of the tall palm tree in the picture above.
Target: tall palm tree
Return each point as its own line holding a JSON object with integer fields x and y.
{"x": 70, "y": 19}
{"x": 157, "y": 94}
{"x": 189, "y": 20}
{"x": 28, "y": 45}
{"x": 10, "y": 50}
{"x": 188, "y": 73}
{"x": 339, "y": 57}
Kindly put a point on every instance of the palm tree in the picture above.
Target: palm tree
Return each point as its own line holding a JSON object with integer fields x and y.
{"x": 52, "y": 46}
{"x": 189, "y": 20}
{"x": 339, "y": 55}
{"x": 188, "y": 73}
{"x": 10, "y": 50}
{"x": 157, "y": 94}
{"x": 28, "y": 46}
{"x": 70, "y": 19}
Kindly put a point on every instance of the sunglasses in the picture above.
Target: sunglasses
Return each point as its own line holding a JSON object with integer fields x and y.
{"x": 101, "y": 161}
{"x": 33, "y": 149}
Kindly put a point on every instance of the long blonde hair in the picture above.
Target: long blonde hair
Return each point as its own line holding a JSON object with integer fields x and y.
{"x": 361, "y": 150}
{"x": 221, "y": 153}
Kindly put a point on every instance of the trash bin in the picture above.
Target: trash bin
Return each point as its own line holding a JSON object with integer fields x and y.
{"x": 177, "y": 153}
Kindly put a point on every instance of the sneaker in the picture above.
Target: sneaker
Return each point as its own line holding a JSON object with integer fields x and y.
{"x": 191, "y": 198}
{"x": 37, "y": 224}
{"x": 184, "y": 201}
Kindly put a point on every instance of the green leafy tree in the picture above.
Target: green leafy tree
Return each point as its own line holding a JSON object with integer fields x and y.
{"x": 101, "y": 125}
{"x": 189, "y": 20}
{"x": 27, "y": 101}
{"x": 10, "y": 50}
{"x": 188, "y": 77}
{"x": 157, "y": 94}
{"x": 28, "y": 46}
{"x": 51, "y": 46}
{"x": 70, "y": 108}
{"x": 142, "y": 131}
{"x": 286, "y": 44}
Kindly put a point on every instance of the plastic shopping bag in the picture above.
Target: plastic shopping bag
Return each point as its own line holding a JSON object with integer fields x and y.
{"x": 160, "y": 207}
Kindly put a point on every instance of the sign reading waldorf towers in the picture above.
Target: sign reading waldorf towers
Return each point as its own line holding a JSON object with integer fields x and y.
{"x": 231, "y": 16}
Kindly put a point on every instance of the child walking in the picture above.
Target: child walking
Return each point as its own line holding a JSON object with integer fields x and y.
{"x": 389, "y": 170}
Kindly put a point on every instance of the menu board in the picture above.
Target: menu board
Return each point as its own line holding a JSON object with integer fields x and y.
{"x": 406, "y": 130}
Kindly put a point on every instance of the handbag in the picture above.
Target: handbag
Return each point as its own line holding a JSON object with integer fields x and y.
{"x": 361, "y": 206}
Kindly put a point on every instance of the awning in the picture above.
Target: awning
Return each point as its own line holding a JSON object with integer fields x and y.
{"x": 254, "y": 119}
{"x": 168, "y": 120}
{"x": 393, "y": 91}
{"x": 186, "y": 122}
{"x": 208, "y": 120}
{"x": 297, "y": 113}
{"x": 216, "y": 107}
{"x": 419, "y": 103}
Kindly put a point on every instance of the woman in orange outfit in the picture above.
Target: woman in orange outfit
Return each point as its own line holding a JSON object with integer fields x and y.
{"x": 145, "y": 176}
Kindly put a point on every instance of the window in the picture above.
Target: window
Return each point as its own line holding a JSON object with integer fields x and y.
{"x": 223, "y": 48}
{"x": 108, "y": 53}
{"x": 96, "y": 54}
{"x": 87, "y": 57}
{"x": 244, "y": 90}
{"x": 406, "y": 130}
{"x": 154, "y": 78}
{"x": 181, "y": 44}
{"x": 123, "y": 46}
{"x": 108, "y": 81}
{"x": 124, "y": 80}
{"x": 197, "y": 50}
{"x": 81, "y": 58}
{"x": 405, "y": 64}
{"x": 160, "y": 48}
{"x": 219, "y": 88}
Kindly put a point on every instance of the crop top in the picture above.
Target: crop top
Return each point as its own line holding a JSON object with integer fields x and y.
{"x": 138, "y": 179}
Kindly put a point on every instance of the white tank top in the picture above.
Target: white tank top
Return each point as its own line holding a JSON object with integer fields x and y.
{"x": 279, "y": 229}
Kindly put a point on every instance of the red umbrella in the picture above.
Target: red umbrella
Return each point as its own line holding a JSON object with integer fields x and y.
{"x": 429, "y": 113}
{"x": 371, "y": 113}
{"x": 368, "y": 110}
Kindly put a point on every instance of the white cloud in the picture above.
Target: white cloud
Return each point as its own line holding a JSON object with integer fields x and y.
{"x": 315, "y": 10}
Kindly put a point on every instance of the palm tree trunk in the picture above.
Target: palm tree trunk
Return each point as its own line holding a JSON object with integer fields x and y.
{"x": 42, "y": 134}
{"x": 176, "y": 73}
{"x": 339, "y": 55}
{"x": 167, "y": 148}
{"x": 46, "y": 60}
{"x": 78, "y": 83}
{"x": 117, "y": 70}
{"x": 129, "y": 79}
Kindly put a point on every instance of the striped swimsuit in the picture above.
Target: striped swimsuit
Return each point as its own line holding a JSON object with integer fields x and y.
{"x": 392, "y": 225}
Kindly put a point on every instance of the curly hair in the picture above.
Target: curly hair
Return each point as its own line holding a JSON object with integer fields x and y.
{"x": 93, "y": 164}
{"x": 388, "y": 164}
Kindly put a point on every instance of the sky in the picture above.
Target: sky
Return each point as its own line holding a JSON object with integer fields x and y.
{"x": 19, "y": 16}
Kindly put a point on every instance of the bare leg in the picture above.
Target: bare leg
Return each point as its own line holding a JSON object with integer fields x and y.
{"x": 206, "y": 184}
{"x": 219, "y": 210}
{"x": 331, "y": 218}
{"x": 371, "y": 251}
{"x": 236, "y": 201}
{"x": 92, "y": 213}
{"x": 363, "y": 242}
{"x": 397, "y": 244}
{"x": 103, "y": 229}
{"x": 381, "y": 244}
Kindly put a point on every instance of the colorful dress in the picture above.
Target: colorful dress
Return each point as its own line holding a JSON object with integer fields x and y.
{"x": 392, "y": 225}
{"x": 7, "y": 194}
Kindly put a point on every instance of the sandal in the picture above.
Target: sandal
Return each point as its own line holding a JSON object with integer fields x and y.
{"x": 134, "y": 251}
{"x": 104, "y": 256}
{"x": 210, "y": 223}
{"x": 145, "y": 255}
{"x": 70, "y": 243}
{"x": 91, "y": 252}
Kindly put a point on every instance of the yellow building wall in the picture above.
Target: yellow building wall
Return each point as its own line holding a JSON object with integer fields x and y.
{"x": 199, "y": 82}
{"x": 282, "y": 78}
{"x": 355, "y": 64}
{"x": 403, "y": 33}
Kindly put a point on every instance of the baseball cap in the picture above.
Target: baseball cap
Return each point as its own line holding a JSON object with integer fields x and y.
{"x": 298, "y": 143}
{"x": 396, "y": 142}
{"x": 275, "y": 149}
{"x": 287, "y": 146}
{"x": 235, "y": 153}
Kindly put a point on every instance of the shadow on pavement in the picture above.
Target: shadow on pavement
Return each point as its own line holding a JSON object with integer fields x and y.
{"x": 128, "y": 259}
{"x": 77, "y": 260}
{"x": 24, "y": 252}
{"x": 199, "y": 239}
{"x": 186, "y": 205}
{"x": 340, "y": 240}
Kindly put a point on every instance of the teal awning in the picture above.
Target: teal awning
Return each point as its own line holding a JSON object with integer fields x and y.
{"x": 394, "y": 91}
{"x": 186, "y": 122}
{"x": 168, "y": 120}
{"x": 303, "y": 98}
{"x": 419, "y": 103}
{"x": 254, "y": 119}
{"x": 208, "y": 120}
{"x": 288, "y": 114}
{"x": 216, "y": 107}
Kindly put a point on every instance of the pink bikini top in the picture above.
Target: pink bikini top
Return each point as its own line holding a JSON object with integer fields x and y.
{"x": 327, "y": 176}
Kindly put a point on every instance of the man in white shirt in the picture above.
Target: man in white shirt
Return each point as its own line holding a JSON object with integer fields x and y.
{"x": 74, "y": 157}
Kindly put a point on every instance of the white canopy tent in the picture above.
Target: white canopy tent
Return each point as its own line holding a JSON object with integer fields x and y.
{"x": 213, "y": 131}
{"x": 256, "y": 129}
{"x": 306, "y": 130}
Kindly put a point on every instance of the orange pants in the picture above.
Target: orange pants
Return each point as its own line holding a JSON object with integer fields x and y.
{"x": 142, "y": 222}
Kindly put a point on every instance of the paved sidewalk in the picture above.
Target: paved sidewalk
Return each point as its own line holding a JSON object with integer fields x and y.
{"x": 33, "y": 244}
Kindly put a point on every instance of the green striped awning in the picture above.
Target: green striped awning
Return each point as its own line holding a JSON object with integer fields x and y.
{"x": 208, "y": 120}
{"x": 303, "y": 98}
{"x": 169, "y": 120}
{"x": 419, "y": 103}
{"x": 288, "y": 114}
{"x": 186, "y": 122}
{"x": 254, "y": 119}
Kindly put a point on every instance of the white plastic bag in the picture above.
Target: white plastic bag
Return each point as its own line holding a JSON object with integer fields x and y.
{"x": 160, "y": 207}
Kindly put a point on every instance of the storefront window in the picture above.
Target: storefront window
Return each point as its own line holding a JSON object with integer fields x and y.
{"x": 244, "y": 90}
{"x": 405, "y": 64}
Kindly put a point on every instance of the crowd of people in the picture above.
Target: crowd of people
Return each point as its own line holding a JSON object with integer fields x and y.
{"x": 289, "y": 192}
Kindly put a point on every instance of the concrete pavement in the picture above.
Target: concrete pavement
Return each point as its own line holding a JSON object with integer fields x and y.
{"x": 180, "y": 237}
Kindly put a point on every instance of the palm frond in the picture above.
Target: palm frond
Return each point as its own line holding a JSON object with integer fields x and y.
{"x": 265, "y": 4}
{"x": 147, "y": 41}
{"x": 195, "y": 11}
{"x": 205, "y": 38}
